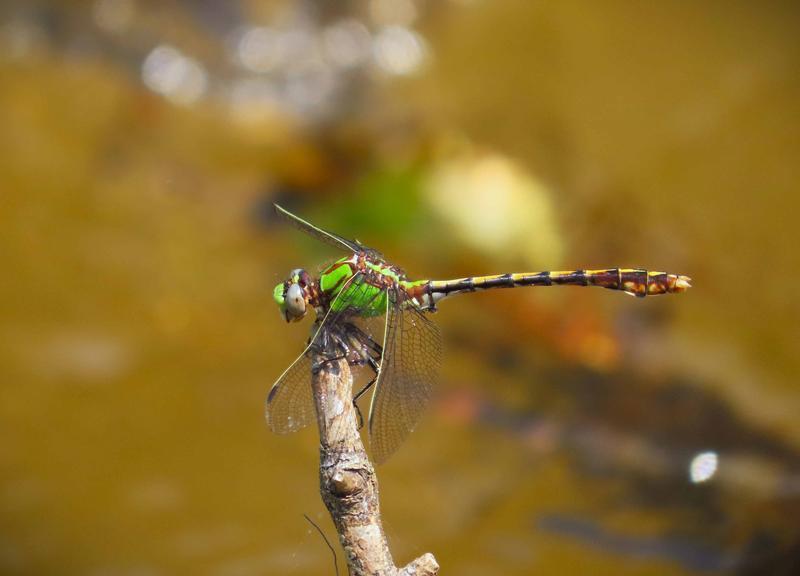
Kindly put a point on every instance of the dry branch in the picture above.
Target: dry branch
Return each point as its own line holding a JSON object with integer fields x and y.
{"x": 347, "y": 479}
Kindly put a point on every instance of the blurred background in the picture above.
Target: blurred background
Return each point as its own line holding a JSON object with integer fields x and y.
{"x": 573, "y": 432}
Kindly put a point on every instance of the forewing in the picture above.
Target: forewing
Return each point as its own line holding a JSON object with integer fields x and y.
{"x": 328, "y": 237}
{"x": 412, "y": 354}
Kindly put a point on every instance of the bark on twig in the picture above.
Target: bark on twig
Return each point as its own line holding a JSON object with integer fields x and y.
{"x": 347, "y": 479}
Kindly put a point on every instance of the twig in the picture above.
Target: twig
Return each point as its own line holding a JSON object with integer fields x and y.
{"x": 347, "y": 479}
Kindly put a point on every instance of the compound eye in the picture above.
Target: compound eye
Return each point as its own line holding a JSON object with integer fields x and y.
{"x": 295, "y": 301}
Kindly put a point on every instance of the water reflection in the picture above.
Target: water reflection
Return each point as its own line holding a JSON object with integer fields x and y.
{"x": 703, "y": 467}
{"x": 347, "y": 43}
{"x": 685, "y": 551}
{"x": 261, "y": 49}
{"x": 399, "y": 50}
{"x": 180, "y": 78}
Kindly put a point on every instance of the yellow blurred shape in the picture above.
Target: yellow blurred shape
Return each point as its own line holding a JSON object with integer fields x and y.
{"x": 497, "y": 207}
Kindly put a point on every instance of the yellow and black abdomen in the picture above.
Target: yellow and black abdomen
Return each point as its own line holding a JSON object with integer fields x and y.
{"x": 634, "y": 281}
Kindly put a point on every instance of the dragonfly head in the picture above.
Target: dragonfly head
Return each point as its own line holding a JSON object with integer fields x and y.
{"x": 292, "y": 296}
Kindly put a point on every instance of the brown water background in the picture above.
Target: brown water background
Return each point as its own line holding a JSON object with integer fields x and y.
{"x": 574, "y": 431}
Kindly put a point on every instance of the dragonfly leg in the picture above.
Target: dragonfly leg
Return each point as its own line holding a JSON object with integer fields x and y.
{"x": 365, "y": 339}
{"x": 325, "y": 361}
{"x": 332, "y": 348}
{"x": 374, "y": 365}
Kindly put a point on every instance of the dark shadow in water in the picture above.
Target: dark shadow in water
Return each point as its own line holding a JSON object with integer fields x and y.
{"x": 691, "y": 555}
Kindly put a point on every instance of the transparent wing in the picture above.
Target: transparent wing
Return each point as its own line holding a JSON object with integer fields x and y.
{"x": 290, "y": 403}
{"x": 412, "y": 353}
{"x": 328, "y": 237}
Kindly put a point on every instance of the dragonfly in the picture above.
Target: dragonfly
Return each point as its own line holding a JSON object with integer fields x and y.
{"x": 368, "y": 311}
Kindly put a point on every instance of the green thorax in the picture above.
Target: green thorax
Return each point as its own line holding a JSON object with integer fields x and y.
{"x": 368, "y": 293}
